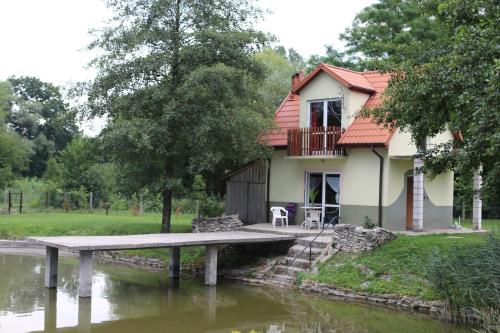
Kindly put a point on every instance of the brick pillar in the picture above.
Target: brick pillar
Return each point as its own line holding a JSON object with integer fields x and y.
{"x": 418, "y": 195}
{"x": 477, "y": 203}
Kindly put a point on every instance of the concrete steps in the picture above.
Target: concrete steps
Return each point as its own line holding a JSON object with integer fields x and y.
{"x": 301, "y": 252}
{"x": 300, "y": 258}
{"x": 297, "y": 262}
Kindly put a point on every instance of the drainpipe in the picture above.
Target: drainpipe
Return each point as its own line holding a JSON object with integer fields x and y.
{"x": 380, "y": 183}
{"x": 268, "y": 187}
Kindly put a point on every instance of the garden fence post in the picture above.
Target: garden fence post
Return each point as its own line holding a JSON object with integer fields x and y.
{"x": 141, "y": 203}
{"x": 91, "y": 203}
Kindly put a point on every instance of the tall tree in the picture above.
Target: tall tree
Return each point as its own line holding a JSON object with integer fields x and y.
{"x": 336, "y": 58}
{"x": 14, "y": 150}
{"x": 38, "y": 112}
{"x": 279, "y": 71}
{"x": 453, "y": 82}
{"x": 380, "y": 31}
{"x": 178, "y": 81}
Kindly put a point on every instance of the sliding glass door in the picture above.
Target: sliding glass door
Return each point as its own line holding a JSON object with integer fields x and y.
{"x": 323, "y": 192}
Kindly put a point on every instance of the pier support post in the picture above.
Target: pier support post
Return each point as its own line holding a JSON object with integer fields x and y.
{"x": 174, "y": 265}
{"x": 85, "y": 278}
{"x": 84, "y": 315}
{"x": 211, "y": 265}
{"x": 51, "y": 260}
{"x": 50, "y": 311}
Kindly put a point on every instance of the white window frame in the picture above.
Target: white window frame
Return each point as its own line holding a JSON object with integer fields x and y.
{"x": 323, "y": 190}
{"x": 325, "y": 110}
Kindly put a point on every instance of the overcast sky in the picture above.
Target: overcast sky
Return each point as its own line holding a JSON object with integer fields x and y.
{"x": 47, "y": 38}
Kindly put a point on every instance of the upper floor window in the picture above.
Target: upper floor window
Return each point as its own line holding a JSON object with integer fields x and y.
{"x": 325, "y": 113}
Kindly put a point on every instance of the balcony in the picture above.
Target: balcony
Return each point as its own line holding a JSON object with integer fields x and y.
{"x": 315, "y": 141}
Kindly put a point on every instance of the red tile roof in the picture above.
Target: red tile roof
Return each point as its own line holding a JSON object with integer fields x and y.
{"x": 362, "y": 131}
{"x": 347, "y": 77}
{"x": 286, "y": 116}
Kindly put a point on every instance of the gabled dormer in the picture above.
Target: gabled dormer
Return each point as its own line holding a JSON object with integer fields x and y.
{"x": 318, "y": 117}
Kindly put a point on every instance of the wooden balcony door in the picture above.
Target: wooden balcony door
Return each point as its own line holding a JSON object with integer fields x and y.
{"x": 324, "y": 120}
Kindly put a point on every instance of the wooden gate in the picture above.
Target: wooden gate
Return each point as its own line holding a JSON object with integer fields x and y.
{"x": 246, "y": 193}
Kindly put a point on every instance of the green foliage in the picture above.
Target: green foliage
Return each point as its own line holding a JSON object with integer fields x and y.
{"x": 184, "y": 100}
{"x": 336, "y": 58}
{"x": 79, "y": 168}
{"x": 451, "y": 82}
{"x": 292, "y": 56}
{"x": 278, "y": 76}
{"x": 382, "y": 31}
{"x": 15, "y": 151}
{"x": 14, "y": 155}
{"x": 367, "y": 222}
{"x": 469, "y": 279}
{"x": 208, "y": 205}
{"x": 398, "y": 267}
{"x": 37, "y": 111}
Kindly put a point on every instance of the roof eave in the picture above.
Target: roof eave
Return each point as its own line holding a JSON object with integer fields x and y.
{"x": 363, "y": 144}
{"x": 322, "y": 67}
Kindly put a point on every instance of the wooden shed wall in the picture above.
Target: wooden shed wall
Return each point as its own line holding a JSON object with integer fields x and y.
{"x": 246, "y": 193}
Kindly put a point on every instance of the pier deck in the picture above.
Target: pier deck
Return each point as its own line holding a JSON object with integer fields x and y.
{"x": 87, "y": 244}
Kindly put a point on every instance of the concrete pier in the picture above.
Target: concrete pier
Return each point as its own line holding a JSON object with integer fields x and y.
{"x": 87, "y": 244}
{"x": 174, "y": 265}
{"x": 211, "y": 265}
{"x": 85, "y": 278}
{"x": 51, "y": 261}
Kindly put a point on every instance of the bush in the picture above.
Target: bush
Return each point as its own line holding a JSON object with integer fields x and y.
{"x": 468, "y": 278}
{"x": 367, "y": 222}
{"x": 211, "y": 207}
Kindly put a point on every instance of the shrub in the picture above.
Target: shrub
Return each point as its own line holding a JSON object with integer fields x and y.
{"x": 367, "y": 222}
{"x": 211, "y": 206}
{"x": 468, "y": 278}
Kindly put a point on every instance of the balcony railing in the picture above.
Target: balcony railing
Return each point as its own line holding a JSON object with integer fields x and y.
{"x": 311, "y": 141}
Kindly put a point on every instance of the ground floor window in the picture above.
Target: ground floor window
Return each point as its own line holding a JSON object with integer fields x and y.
{"x": 323, "y": 191}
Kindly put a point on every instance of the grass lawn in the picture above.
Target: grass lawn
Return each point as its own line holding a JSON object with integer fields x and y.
{"x": 396, "y": 268}
{"x": 492, "y": 225}
{"x": 92, "y": 224}
{"x": 85, "y": 224}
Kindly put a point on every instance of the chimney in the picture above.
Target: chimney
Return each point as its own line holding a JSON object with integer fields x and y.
{"x": 297, "y": 78}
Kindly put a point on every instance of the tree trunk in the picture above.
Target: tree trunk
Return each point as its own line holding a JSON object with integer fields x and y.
{"x": 174, "y": 72}
{"x": 167, "y": 201}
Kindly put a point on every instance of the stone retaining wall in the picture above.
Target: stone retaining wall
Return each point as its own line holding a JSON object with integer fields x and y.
{"x": 352, "y": 238}
{"x": 434, "y": 308}
{"x": 216, "y": 224}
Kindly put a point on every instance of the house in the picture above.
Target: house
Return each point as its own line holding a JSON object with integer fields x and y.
{"x": 328, "y": 157}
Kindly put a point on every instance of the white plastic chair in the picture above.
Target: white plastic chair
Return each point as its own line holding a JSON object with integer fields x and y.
{"x": 279, "y": 213}
{"x": 313, "y": 218}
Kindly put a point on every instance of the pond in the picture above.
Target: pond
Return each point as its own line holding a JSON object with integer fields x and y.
{"x": 127, "y": 299}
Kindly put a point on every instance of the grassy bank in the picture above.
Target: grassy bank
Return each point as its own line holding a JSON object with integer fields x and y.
{"x": 490, "y": 224}
{"x": 398, "y": 267}
{"x": 59, "y": 223}
{"x": 86, "y": 224}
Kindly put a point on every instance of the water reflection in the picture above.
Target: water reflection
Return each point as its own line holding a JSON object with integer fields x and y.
{"x": 130, "y": 300}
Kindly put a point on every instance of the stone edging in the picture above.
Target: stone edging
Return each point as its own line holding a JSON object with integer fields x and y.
{"x": 433, "y": 308}
{"x": 8, "y": 243}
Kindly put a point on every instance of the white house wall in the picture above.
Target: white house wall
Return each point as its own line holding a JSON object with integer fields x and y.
{"x": 359, "y": 187}
{"x": 324, "y": 86}
{"x": 401, "y": 144}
